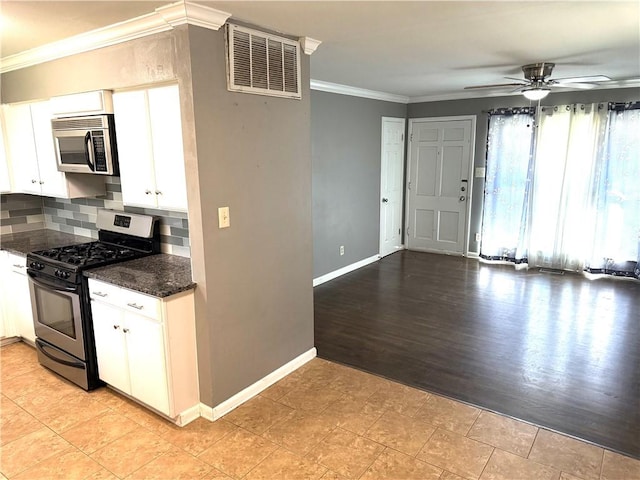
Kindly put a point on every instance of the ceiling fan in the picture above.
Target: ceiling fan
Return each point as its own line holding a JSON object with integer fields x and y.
{"x": 536, "y": 85}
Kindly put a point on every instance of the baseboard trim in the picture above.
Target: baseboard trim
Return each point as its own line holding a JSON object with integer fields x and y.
{"x": 344, "y": 270}
{"x": 214, "y": 413}
{"x": 188, "y": 416}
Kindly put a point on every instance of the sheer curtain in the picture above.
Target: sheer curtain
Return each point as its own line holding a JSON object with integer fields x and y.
{"x": 509, "y": 165}
{"x": 565, "y": 194}
{"x": 562, "y": 210}
{"x": 616, "y": 247}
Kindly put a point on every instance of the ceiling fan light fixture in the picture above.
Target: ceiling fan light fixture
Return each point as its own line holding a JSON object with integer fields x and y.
{"x": 536, "y": 93}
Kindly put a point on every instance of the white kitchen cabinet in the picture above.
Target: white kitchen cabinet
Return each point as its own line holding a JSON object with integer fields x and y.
{"x": 31, "y": 155}
{"x": 5, "y": 179}
{"x": 149, "y": 137}
{"x": 18, "y": 299}
{"x": 146, "y": 347}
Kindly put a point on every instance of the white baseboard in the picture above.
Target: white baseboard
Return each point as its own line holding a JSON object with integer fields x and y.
{"x": 344, "y": 270}
{"x": 188, "y": 416}
{"x": 213, "y": 413}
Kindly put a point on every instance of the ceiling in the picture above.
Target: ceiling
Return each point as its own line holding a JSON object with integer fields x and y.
{"x": 424, "y": 50}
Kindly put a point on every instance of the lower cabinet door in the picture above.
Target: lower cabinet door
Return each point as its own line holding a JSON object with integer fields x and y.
{"x": 21, "y": 311}
{"x": 111, "y": 346}
{"x": 147, "y": 361}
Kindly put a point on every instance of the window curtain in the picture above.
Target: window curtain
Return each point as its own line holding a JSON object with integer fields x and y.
{"x": 616, "y": 247}
{"x": 506, "y": 197}
{"x": 566, "y": 156}
{"x": 564, "y": 194}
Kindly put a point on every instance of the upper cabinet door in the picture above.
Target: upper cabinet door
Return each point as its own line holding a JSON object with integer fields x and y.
{"x": 21, "y": 148}
{"x": 135, "y": 151}
{"x": 5, "y": 180}
{"x": 168, "y": 155}
{"x": 53, "y": 183}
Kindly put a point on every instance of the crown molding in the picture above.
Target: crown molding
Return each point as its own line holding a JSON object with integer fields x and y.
{"x": 161, "y": 20}
{"x": 309, "y": 44}
{"x": 180, "y": 13}
{"x": 357, "y": 92}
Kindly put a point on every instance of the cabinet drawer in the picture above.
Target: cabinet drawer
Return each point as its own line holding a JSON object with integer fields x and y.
{"x": 17, "y": 263}
{"x": 141, "y": 304}
{"x": 104, "y": 292}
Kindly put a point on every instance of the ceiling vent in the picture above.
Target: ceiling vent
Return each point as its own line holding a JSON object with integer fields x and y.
{"x": 261, "y": 63}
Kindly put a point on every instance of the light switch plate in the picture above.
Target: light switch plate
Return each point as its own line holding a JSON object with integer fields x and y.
{"x": 223, "y": 217}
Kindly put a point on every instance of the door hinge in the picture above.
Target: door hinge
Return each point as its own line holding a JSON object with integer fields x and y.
{"x": 409, "y": 185}
{"x": 399, "y": 231}
{"x": 411, "y": 137}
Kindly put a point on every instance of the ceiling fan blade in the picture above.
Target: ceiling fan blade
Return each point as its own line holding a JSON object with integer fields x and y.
{"x": 580, "y": 86}
{"x": 497, "y": 85}
{"x": 585, "y": 79}
{"x": 518, "y": 79}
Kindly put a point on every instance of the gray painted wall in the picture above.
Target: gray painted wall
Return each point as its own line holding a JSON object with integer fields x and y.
{"x": 254, "y": 156}
{"x": 480, "y": 107}
{"x": 345, "y": 141}
{"x": 254, "y": 304}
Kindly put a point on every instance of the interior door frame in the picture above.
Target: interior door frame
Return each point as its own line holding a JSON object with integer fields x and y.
{"x": 402, "y": 245}
{"x": 470, "y": 177}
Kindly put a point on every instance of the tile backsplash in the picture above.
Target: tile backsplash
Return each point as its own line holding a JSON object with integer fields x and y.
{"x": 78, "y": 216}
{"x": 20, "y": 213}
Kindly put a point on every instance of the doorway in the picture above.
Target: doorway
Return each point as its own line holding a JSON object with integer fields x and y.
{"x": 439, "y": 184}
{"x": 391, "y": 185}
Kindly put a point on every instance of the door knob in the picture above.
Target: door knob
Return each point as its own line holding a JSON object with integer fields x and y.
{"x": 385, "y": 200}
{"x": 462, "y": 198}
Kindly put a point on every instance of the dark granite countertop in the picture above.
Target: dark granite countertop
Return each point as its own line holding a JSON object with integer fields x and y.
{"x": 24, "y": 242}
{"x": 156, "y": 275}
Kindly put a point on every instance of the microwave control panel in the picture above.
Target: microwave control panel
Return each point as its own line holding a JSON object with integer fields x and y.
{"x": 98, "y": 150}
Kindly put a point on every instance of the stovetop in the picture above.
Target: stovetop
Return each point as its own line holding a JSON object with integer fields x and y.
{"x": 87, "y": 254}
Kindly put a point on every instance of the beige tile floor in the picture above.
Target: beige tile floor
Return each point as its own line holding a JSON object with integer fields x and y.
{"x": 323, "y": 421}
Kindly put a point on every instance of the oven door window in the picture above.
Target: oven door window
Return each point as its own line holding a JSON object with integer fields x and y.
{"x": 56, "y": 311}
{"x": 72, "y": 150}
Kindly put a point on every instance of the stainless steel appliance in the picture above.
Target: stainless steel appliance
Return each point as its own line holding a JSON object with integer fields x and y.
{"x": 86, "y": 144}
{"x": 60, "y": 293}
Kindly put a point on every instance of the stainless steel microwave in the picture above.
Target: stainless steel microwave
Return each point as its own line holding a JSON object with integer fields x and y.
{"x": 86, "y": 144}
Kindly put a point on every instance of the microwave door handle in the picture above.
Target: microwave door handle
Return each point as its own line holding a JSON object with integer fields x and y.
{"x": 88, "y": 151}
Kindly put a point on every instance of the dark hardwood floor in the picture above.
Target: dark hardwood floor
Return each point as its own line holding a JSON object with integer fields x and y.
{"x": 560, "y": 351}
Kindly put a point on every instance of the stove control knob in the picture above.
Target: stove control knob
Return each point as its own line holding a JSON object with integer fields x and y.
{"x": 65, "y": 274}
{"x": 36, "y": 265}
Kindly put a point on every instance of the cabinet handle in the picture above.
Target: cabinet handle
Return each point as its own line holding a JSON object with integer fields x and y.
{"x": 100, "y": 294}
{"x": 136, "y": 306}
{"x": 34, "y": 181}
{"x": 41, "y": 182}
{"x": 147, "y": 192}
{"x": 125, "y": 330}
{"x": 18, "y": 266}
{"x": 116, "y": 327}
{"x": 158, "y": 192}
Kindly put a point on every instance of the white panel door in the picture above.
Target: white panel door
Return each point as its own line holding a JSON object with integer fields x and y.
{"x": 440, "y": 155}
{"x": 391, "y": 183}
{"x": 135, "y": 151}
{"x": 168, "y": 156}
{"x": 5, "y": 180}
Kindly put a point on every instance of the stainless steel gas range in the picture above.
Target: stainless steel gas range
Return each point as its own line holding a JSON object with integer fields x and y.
{"x": 60, "y": 294}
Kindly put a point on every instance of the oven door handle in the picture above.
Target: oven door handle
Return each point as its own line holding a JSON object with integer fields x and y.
{"x": 39, "y": 281}
{"x": 41, "y": 347}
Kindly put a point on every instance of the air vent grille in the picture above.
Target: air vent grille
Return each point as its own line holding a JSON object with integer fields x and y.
{"x": 77, "y": 123}
{"x": 262, "y": 64}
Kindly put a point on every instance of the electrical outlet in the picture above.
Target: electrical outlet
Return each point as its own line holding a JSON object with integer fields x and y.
{"x": 477, "y": 236}
{"x": 223, "y": 217}
{"x": 341, "y": 249}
